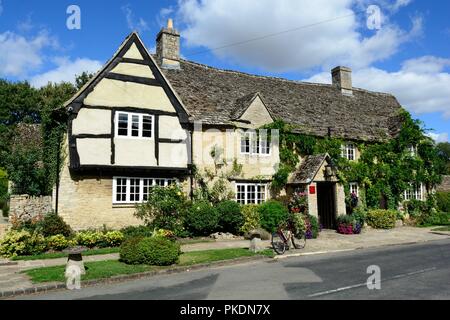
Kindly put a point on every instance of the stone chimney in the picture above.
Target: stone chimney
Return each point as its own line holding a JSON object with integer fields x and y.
{"x": 342, "y": 78}
{"x": 168, "y": 47}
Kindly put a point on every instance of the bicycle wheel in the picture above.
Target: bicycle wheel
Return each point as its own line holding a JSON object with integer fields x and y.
{"x": 278, "y": 244}
{"x": 299, "y": 243}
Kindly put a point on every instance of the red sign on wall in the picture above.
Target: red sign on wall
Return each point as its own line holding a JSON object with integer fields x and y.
{"x": 312, "y": 189}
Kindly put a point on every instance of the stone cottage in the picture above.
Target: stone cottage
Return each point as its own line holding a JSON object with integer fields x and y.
{"x": 147, "y": 120}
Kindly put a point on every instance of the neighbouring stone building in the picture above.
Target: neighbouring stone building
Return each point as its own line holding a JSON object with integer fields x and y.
{"x": 146, "y": 120}
{"x": 445, "y": 185}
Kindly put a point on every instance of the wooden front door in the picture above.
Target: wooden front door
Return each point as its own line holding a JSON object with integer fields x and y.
{"x": 326, "y": 202}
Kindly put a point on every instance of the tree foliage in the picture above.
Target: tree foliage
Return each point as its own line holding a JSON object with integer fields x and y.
{"x": 32, "y": 167}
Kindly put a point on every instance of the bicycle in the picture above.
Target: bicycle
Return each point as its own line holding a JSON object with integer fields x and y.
{"x": 281, "y": 239}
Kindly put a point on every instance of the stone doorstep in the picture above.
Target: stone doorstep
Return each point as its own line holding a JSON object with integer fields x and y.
{"x": 119, "y": 278}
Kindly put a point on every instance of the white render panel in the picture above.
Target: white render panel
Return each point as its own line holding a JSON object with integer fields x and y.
{"x": 173, "y": 155}
{"x": 135, "y": 152}
{"x": 92, "y": 121}
{"x": 114, "y": 93}
{"x": 170, "y": 128}
{"x": 133, "y": 53}
{"x": 94, "y": 151}
{"x": 133, "y": 69}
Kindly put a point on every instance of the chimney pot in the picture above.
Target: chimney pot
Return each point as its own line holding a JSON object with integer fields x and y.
{"x": 170, "y": 24}
{"x": 342, "y": 78}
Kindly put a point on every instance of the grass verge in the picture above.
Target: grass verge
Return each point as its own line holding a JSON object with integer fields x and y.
{"x": 446, "y": 228}
{"x": 110, "y": 268}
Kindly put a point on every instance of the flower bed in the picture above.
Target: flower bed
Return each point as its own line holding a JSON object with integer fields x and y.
{"x": 348, "y": 225}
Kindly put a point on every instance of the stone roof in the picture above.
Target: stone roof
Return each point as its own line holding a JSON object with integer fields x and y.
{"x": 308, "y": 169}
{"x": 215, "y": 96}
{"x": 445, "y": 185}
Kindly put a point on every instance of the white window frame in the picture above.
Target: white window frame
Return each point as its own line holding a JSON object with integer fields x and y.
{"x": 257, "y": 197}
{"x": 412, "y": 150}
{"x": 141, "y": 188}
{"x": 414, "y": 193}
{"x": 347, "y": 150}
{"x": 354, "y": 186}
{"x": 130, "y": 125}
{"x": 255, "y": 147}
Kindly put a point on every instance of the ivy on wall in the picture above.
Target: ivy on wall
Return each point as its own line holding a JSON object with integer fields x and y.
{"x": 384, "y": 170}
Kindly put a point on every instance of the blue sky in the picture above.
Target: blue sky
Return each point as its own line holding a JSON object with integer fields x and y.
{"x": 408, "y": 55}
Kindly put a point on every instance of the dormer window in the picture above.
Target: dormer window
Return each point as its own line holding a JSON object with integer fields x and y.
{"x": 134, "y": 125}
{"x": 349, "y": 151}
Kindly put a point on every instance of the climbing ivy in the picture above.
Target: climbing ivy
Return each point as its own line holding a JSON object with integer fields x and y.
{"x": 384, "y": 170}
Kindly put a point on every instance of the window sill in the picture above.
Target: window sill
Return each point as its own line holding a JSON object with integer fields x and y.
{"x": 123, "y": 205}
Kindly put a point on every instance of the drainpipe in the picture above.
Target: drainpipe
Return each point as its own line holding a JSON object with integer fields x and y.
{"x": 58, "y": 154}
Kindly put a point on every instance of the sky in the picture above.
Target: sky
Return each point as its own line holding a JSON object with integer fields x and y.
{"x": 400, "y": 47}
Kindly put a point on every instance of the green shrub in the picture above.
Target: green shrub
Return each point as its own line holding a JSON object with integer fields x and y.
{"x": 21, "y": 243}
{"x": 57, "y": 242}
{"x": 382, "y": 219}
{"x": 312, "y": 227}
{"x": 443, "y": 201}
{"x": 90, "y": 239}
{"x": 360, "y": 215}
{"x": 113, "y": 238}
{"x": 52, "y": 225}
{"x": 272, "y": 214}
{"x": 230, "y": 217}
{"x": 139, "y": 231}
{"x": 129, "y": 252}
{"x": 201, "y": 219}
{"x": 164, "y": 209}
{"x": 159, "y": 251}
{"x": 251, "y": 218}
{"x": 298, "y": 224}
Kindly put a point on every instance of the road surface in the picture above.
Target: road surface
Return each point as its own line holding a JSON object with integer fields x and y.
{"x": 420, "y": 271}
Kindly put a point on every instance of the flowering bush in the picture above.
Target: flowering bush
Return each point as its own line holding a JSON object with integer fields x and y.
{"x": 89, "y": 239}
{"x": 299, "y": 203}
{"x": 58, "y": 242}
{"x": 312, "y": 227}
{"x": 348, "y": 225}
{"x": 16, "y": 243}
{"x": 251, "y": 218}
{"x": 113, "y": 238}
{"x": 382, "y": 219}
{"x": 162, "y": 233}
{"x": 164, "y": 209}
{"x": 298, "y": 224}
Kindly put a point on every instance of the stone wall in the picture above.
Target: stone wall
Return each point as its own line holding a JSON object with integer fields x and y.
{"x": 25, "y": 207}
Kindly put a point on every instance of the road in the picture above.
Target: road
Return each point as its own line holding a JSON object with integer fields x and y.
{"x": 420, "y": 271}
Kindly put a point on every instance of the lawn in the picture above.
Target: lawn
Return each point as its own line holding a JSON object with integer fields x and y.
{"x": 45, "y": 256}
{"x": 446, "y": 228}
{"x": 107, "y": 269}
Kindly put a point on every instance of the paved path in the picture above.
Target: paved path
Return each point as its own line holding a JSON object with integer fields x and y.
{"x": 328, "y": 241}
{"x": 416, "y": 272}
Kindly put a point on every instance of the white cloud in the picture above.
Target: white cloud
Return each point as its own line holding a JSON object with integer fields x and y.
{"x": 213, "y": 24}
{"x": 20, "y": 55}
{"x": 439, "y": 137}
{"x": 66, "y": 71}
{"x": 140, "y": 25}
{"x": 421, "y": 85}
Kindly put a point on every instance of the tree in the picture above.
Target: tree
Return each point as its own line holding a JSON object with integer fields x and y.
{"x": 82, "y": 79}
